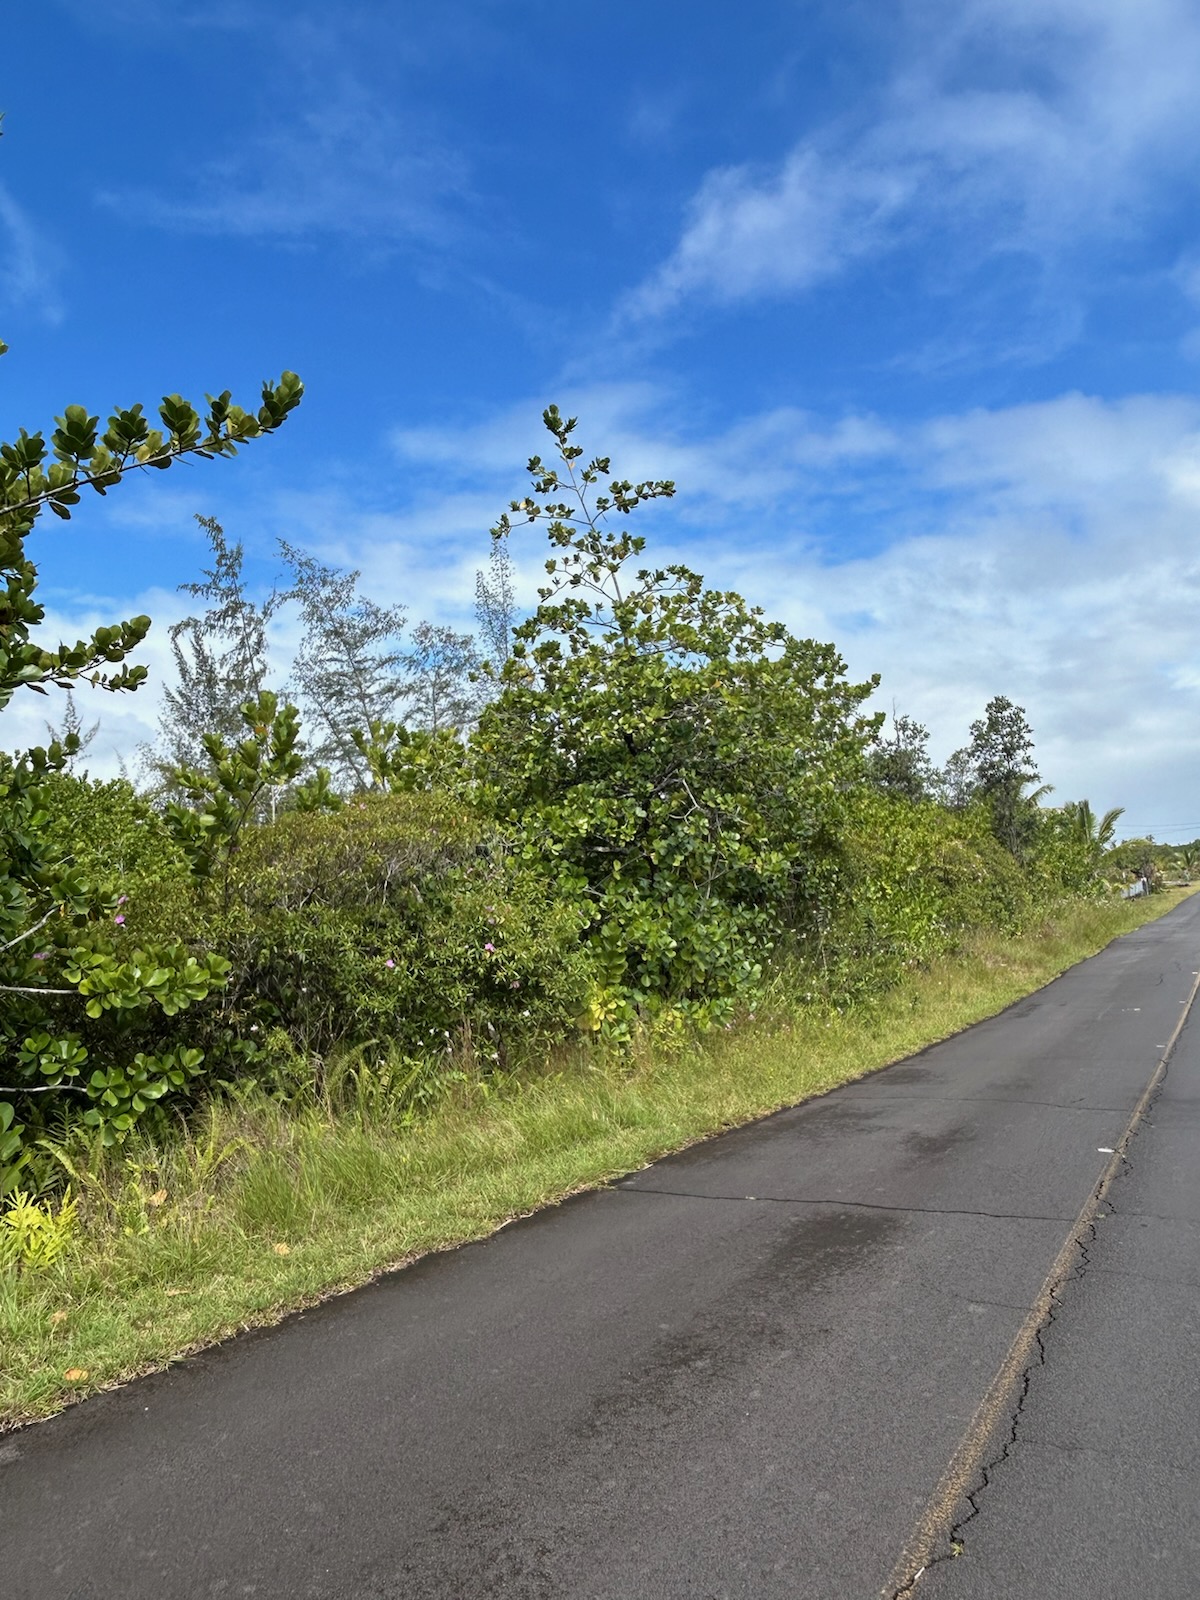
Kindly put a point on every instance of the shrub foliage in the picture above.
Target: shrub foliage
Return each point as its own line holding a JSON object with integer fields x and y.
{"x": 76, "y": 991}
{"x": 663, "y": 793}
{"x": 674, "y": 760}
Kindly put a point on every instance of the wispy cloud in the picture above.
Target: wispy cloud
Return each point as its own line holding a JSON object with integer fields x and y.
{"x": 640, "y": 425}
{"x": 1023, "y": 548}
{"x": 29, "y": 263}
{"x": 345, "y": 163}
{"x": 751, "y": 233}
{"x": 1013, "y": 126}
{"x": 1044, "y": 550}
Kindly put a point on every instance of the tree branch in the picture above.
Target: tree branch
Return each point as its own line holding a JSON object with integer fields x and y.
{"x": 43, "y": 1088}
{"x": 29, "y": 932}
{"x": 16, "y": 988}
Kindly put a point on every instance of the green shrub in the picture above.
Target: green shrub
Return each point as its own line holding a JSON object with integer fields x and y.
{"x": 1060, "y": 861}
{"x": 34, "y": 1235}
{"x": 108, "y": 831}
{"x": 90, "y": 1027}
{"x": 662, "y": 752}
{"x": 400, "y": 918}
{"x": 908, "y": 878}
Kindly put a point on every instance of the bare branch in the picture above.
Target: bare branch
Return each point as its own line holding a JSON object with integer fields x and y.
{"x": 29, "y": 932}
{"x": 16, "y": 988}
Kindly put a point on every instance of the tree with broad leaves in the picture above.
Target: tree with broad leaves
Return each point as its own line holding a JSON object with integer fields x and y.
{"x": 996, "y": 768}
{"x": 899, "y": 763}
{"x": 71, "y": 987}
{"x": 675, "y": 759}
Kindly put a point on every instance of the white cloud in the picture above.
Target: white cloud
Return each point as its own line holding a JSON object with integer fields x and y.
{"x": 1064, "y": 571}
{"x": 1044, "y": 551}
{"x": 29, "y": 263}
{"x": 1006, "y": 126}
{"x": 748, "y": 235}
{"x": 751, "y": 462}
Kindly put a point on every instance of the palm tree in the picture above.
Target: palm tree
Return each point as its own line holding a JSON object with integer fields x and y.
{"x": 1094, "y": 834}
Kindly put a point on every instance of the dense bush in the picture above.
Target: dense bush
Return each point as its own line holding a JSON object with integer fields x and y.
{"x": 665, "y": 790}
{"x": 669, "y": 758}
{"x": 1140, "y": 858}
{"x": 400, "y": 918}
{"x": 908, "y": 877}
{"x": 412, "y": 920}
{"x": 90, "y": 1024}
{"x": 1060, "y": 860}
{"x": 109, "y": 832}
{"x": 66, "y": 969}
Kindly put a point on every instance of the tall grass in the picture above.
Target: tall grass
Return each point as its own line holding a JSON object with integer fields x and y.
{"x": 258, "y": 1207}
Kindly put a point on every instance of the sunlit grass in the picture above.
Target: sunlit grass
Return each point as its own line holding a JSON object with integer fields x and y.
{"x": 262, "y": 1208}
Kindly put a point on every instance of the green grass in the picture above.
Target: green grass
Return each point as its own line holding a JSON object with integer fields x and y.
{"x": 262, "y": 1209}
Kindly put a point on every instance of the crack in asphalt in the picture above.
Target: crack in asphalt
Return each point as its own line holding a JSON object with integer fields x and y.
{"x": 955, "y": 1540}
{"x": 956, "y": 1537}
{"x": 971, "y": 1299}
{"x": 854, "y": 1205}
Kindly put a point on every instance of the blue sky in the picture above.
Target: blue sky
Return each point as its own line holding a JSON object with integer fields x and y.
{"x": 906, "y": 297}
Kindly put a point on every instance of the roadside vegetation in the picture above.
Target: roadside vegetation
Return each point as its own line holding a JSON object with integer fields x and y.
{"x": 443, "y": 926}
{"x": 259, "y": 1206}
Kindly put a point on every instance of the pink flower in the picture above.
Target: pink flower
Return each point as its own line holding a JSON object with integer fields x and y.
{"x": 122, "y": 899}
{"x": 490, "y": 948}
{"x": 42, "y": 955}
{"x": 389, "y": 962}
{"x": 119, "y": 920}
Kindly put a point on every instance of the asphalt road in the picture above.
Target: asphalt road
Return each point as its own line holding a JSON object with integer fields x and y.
{"x": 740, "y": 1374}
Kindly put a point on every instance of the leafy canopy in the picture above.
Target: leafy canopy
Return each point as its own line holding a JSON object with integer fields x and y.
{"x": 73, "y": 990}
{"x": 676, "y": 757}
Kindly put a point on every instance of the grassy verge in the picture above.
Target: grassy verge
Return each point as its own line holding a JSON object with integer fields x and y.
{"x": 263, "y": 1209}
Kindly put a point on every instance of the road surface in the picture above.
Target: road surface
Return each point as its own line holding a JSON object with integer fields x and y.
{"x": 763, "y": 1369}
